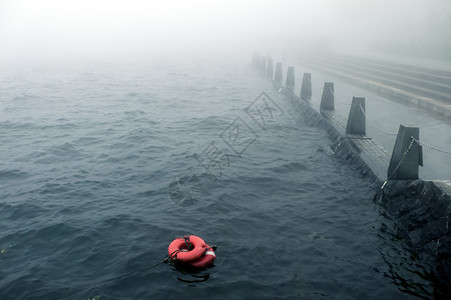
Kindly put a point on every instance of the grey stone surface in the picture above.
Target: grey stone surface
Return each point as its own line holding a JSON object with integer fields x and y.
{"x": 386, "y": 89}
{"x": 327, "y": 98}
{"x": 422, "y": 211}
{"x": 356, "y": 120}
{"x": 406, "y": 156}
{"x": 289, "y": 82}
{"x": 343, "y": 147}
{"x": 306, "y": 87}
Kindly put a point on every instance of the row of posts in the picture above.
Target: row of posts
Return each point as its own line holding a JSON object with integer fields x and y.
{"x": 407, "y": 153}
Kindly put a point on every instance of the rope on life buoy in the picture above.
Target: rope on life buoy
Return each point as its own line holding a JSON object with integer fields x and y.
{"x": 191, "y": 252}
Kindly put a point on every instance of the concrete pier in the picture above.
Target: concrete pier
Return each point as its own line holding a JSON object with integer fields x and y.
{"x": 357, "y": 149}
{"x": 420, "y": 209}
{"x": 327, "y": 99}
{"x": 407, "y": 155}
{"x": 306, "y": 87}
{"x": 356, "y": 120}
{"x": 420, "y": 87}
{"x": 279, "y": 74}
{"x": 289, "y": 83}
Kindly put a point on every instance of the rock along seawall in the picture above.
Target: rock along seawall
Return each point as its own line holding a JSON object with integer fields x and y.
{"x": 420, "y": 209}
{"x": 343, "y": 147}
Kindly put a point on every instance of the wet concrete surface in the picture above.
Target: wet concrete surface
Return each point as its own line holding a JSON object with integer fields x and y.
{"x": 384, "y": 118}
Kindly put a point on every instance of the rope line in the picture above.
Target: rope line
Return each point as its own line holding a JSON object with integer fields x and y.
{"x": 344, "y": 103}
{"x": 374, "y": 125}
{"x": 137, "y": 271}
{"x": 431, "y": 147}
{"x": 400, "y": 162}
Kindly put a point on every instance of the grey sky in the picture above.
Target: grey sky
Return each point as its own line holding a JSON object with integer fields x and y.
{"x": 98, "y": 28}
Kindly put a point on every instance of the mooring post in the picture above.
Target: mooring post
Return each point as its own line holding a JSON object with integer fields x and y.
{"x": 263, "y": 66}
{"x": 256, "y": 59}
{"x": 269, "y": 69}
{"x": 407, "y": 155}
{"x": 289, "y": 83}
{"x": 327, "y": 99}
{"x": 356, "y": 120}
{"x": 306, "y": 87}
{"x": 279, "y": 76}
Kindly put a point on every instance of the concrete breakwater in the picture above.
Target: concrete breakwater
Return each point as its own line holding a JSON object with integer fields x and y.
{"x": 420, "y": 209}
{"x": 342, "y": 147}
{"x": 421, "y": 87}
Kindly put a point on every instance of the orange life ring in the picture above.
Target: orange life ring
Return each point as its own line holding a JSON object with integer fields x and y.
{"x": 187, "y": 249}
{"x": 206, "y": 260}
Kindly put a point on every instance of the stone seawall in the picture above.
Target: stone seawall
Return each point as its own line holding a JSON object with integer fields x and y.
{"x": 420, "y": 87}
{"x": 342, "y": 146}
{"x": 420, "y": 209}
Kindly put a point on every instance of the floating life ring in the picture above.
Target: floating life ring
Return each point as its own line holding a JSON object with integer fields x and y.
{"x": 191, "y": 251}
{"x": 206, "y": 260}
{"x": 187, "y": 249}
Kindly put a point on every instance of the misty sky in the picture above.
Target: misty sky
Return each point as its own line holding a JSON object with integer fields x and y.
{"x": 99, "y": 28}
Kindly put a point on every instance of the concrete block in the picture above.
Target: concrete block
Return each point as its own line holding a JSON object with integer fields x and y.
{"x": 356, "y": 120}
{"x": 407, "y": 155}
{"x": 289, "y": 83}
{"x": 327, "y": 99}
{"x": 306, "y": 87}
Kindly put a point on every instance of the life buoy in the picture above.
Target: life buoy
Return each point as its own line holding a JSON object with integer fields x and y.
{"x": 206, "y": 260}
{"x": 187, "y": 249}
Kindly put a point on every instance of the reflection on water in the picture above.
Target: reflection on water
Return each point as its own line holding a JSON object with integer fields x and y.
{"x": 405, "y": 268}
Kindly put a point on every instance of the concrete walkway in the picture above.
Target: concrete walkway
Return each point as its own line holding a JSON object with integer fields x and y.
{"x": 428, "y": 89}
{"x": 384, "y": 118}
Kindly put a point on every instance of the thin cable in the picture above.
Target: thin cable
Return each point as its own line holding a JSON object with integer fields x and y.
{"x": 402, "y": 159}
{"x": 374, "y": 125}
{"x": 431, "y": 147}
{"x": 344, "y": 103}
{"x": 400, "y": 162}
{"x": 137, "y": 271}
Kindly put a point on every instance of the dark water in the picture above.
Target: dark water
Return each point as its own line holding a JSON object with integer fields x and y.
{"x": 87, "y": 156}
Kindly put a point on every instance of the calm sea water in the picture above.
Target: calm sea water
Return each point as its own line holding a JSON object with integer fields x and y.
{"x": 88, "y": 158}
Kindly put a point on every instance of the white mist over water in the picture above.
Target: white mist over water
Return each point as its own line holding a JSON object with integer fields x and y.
{"x": 136, "y": 29}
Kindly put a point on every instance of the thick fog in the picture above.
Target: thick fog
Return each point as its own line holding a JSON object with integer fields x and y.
{"x": 31, "y": 29}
